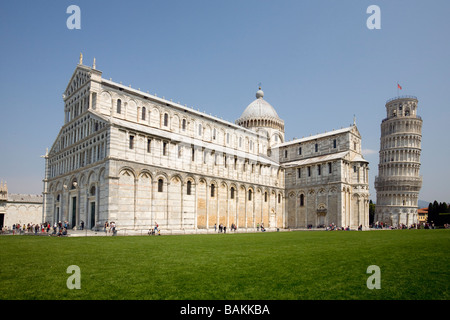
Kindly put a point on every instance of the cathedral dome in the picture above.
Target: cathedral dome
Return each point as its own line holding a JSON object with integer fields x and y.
{"x": 259, "y": 109}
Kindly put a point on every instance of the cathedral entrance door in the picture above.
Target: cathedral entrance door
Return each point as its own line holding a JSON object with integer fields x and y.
{"x": 272, "y": 218}
{"x": 92, "y": 214}
{"x": 57, "y": 218}
{"x": 73, "y": 222}
{"x": 320, "y": 220}
{"x": 321, "y": 214}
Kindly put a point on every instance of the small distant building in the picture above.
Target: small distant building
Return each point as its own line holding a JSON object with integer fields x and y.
{"x": 422, "y": 215}
{"x": 20, "y": 209}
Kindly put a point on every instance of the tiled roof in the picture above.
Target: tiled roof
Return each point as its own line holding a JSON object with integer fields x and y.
{"x": 27, "y": 198}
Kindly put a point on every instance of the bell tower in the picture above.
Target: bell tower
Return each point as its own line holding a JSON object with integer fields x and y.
{"x": 398, "y": 182}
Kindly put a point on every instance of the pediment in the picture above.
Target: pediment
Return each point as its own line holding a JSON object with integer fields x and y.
{"x": 356, "y": 131}
{"x": 80, "y": 77}
{"x": 58, "y": 144}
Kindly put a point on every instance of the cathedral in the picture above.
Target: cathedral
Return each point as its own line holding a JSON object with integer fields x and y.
{"x": 139, "y": 160}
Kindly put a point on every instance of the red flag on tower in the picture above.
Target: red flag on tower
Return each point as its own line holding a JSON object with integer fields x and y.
{"x": 399, "y": 86}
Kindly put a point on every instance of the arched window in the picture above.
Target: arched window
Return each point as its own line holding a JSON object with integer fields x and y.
{"x": 188, "y": 188}
{"x": 279, "y": 198}
{"x": 232, "y": 193}
{"x": 166, "y": 119}
{"x": 200, "y": 129}
{"x": 183, "y": 124}
{"x": 92, "y": 191}
{"x": 119, "y": 106}
{"x": 160, "y": 185}
{"x": 131, "y": 142}
{"x": 144, "y": 111}
{"x": 302, "y": 200}
{"x": 213, "y": 190}
{"x": 265, "y": 196}
{"x": 249, "y": 195}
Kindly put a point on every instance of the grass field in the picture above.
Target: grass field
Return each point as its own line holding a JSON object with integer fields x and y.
{"x": 307, "y": 265}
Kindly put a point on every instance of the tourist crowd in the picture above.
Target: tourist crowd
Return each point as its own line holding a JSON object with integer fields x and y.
{"x": 423, "y": 225}
{"x": 58, "y": 229}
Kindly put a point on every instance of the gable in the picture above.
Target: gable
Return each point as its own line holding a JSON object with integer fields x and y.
{"x": 79, "y": 78}
{"x": 355, "y": 131}
{"x": 64, "y": 138}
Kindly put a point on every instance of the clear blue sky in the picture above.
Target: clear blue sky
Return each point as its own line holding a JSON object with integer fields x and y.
{"x": 318, "y": 63}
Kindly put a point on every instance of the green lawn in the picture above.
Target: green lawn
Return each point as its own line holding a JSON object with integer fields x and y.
{"x": 306, "y": 265}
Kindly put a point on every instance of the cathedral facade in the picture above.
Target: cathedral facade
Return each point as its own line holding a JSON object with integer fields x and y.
{"x": 139, "y": 160}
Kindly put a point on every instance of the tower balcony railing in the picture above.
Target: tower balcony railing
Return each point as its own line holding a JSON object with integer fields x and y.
{"x": 398, "y": 181}
{"x": 402, "y": 117}
{"x": 401, "y": 97}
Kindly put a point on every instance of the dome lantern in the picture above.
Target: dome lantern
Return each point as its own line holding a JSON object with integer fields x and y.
{"x": 259, "y": 93}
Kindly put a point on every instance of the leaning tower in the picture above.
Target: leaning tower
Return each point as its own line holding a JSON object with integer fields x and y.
{"x": 398, "y": 182}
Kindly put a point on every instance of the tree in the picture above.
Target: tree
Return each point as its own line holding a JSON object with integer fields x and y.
{"x": 371, "y": 212}
{"x": 438, "y": 213}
